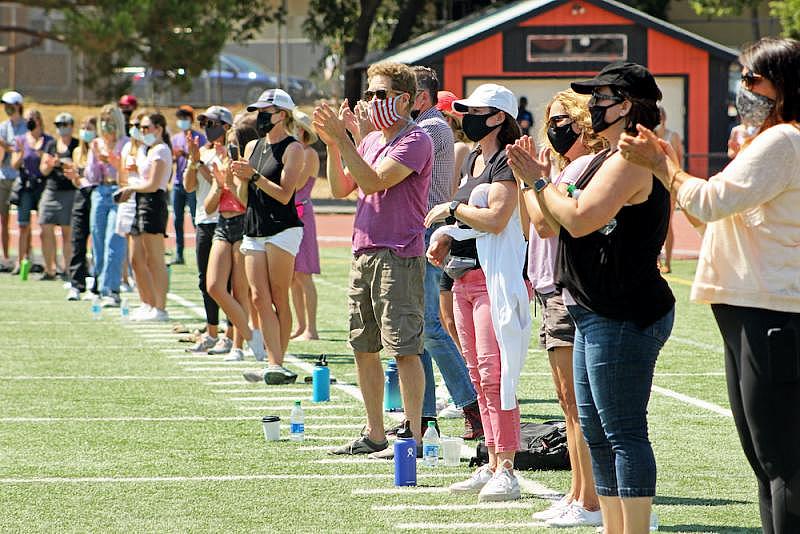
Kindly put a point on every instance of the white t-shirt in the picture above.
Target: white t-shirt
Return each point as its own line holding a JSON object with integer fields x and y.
{"x": 138, "y": 158}
{"x": 159, "y": 152}
{"x": 209, "y": 157}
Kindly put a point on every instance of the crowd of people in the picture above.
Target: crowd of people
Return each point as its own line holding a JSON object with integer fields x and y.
{"x": 464, "y": 215}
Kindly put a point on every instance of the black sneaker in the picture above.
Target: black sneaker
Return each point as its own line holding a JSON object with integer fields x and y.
{"x": 278, "y": 376}
{"x": 362, "y": 445}
{"x": 405, "y": 431}
{"x": 46, "y": 277}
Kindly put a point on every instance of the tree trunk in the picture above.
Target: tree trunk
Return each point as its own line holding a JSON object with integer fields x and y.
{"x": 355, "y": 50}
{"x": 406, "y": 22}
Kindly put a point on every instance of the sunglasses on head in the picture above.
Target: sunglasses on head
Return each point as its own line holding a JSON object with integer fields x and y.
{"x": 380, "y": 94}
{"x": 751, "y": 78}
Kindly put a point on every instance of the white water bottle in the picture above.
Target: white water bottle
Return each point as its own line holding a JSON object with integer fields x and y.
{"x": 296, "y": 423}
{"x": 430, "y": 446}
{"x": 96, "y": 308}
{"x": 124, "y": 310}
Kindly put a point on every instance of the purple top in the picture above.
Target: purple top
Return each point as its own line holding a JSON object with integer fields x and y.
{"x": 96, "y": 171}
{"x": 31, "y": 157}
{"x": 542, "y": 252}
{"x": 393, "y": 218}
{"x": 179, "y": 143}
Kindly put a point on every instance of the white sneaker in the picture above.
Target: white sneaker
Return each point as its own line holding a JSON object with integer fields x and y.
{"x": 203, "y": 346}
{"x": 576, "y": 515}
{"x": 160, "y": 316}
{"x": 223, "y": 346}
{"x": 451, "y": 411}
{"x": 254, "y": 376}
{"x": 141, "y": 313}
{"x": 235, "y": 355}
{"x": 110, "y": 301}
{"x": 73, "y": 294}
{"x": 503, "y": 486}
{"x": 475, "y": 483}
{"x": 555, "y": 509}
{"x": 256, "y": 344}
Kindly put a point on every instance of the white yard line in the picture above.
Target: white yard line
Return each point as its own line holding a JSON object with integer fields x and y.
{"x": 289, "y": 407}
{"x": 716, "y": 408}
{"x": 452, "y": 507}
{"x": 405, "y": 490}
{"x": 258, "y": 388}
{"x": 697, "y": 344}
{"x": 101, "y": 377}
{"x": 177, "y": 418}
{"x": 267, "y": 398}
{"x": 207, "y": 478}
{"x": 467, "y": 526}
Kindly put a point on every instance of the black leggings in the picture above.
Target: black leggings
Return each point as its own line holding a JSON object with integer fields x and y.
{"x": 204, "y": 235}
{"x": 78, "y": 265}
{"x": 763, "y": 374}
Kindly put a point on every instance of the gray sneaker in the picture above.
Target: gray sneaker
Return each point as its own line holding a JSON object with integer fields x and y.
{"x": 236, "y": 355}
{"x": 278, "y": 376}
{"x": 362, "y": 445}
{"x": 223, "y": 346}
{"x": 203, "y": 346}
{"x": 110, "y": 301}
{"x": 256, "y": 344}
{"x": 254, "y": 376}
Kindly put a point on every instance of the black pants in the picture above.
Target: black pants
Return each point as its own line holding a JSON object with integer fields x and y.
{"x": 204, "y": 236}
{"x": 763, "y": 374}
{"x": 78, "y": 266}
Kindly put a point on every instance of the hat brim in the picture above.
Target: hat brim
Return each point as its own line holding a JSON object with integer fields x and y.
{"x": 462, "y": 106}
{"x": 203, "y": 117}
{"x": 259, "y": 105}
{"x": 11, "y": 102}
{"x": 586, "y": 87}
{"x": 312, "y": 135}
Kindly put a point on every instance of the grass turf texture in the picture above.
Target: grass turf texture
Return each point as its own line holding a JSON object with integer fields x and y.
{"x": 704, "y": 484}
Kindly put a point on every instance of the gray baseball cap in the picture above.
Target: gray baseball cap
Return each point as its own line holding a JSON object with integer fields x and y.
{"x": 217, "y": 113}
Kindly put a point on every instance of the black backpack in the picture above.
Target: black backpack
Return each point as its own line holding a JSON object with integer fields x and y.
{"x": 542, "y": 446}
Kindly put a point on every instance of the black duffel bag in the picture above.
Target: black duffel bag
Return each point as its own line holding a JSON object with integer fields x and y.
{"x": 542, "y": 446}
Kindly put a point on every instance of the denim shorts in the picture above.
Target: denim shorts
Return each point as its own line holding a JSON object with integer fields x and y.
{"x": 613, "y": 365}
{"x": 229, "y": 229}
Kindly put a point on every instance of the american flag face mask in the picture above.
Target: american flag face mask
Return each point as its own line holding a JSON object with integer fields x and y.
{"x": 383, "y": 113}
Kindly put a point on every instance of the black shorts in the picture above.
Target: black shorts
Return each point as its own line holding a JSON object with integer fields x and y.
{"x": 446, "y": 283}
{"x": 151, "y": 213}
{"x": 230, "y": 230}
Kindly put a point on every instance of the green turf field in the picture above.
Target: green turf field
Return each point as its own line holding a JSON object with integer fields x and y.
{"x": 106, "y": 427}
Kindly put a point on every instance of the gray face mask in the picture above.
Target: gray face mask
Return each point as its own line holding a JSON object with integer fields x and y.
{"x": 753, "y": 108}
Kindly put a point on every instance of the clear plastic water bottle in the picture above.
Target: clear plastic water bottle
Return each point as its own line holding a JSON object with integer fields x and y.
{"x": 96, "y": 308}
{"x": 430, "y": 446}
{"x": 297, "y": 427}
{"x": 124, "y": 310}
{"x": 653, "y": 522}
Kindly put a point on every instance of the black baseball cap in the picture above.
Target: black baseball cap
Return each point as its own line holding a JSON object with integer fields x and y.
{"x": 630, "y": 78}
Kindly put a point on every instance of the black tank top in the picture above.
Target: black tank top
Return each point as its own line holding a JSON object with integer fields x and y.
{"x": 265, "y": 216}
{"x": 616, "y": 275}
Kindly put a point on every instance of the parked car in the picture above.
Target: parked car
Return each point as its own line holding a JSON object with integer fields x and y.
{"x": 233, "y": 80}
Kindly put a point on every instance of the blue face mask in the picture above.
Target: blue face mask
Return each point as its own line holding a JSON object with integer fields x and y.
{"x": 149, "y": 139}
{"x": 135, "y": 133}
{"x": 184, "y": 124}
{"x": 87, "y": 135}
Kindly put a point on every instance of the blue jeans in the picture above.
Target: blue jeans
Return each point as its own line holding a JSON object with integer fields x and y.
{"x": 108, "y": 247}
{"x": 439, "y": 345}
{"x": 180, "y": 200}
{"x": 613, "y": 365}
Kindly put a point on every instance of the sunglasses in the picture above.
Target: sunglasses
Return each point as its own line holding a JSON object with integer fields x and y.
{"x": 751, "y": 78}
{"x": 135, "y": 124}
{"x": 206, "y": 123}
{"x": 63, "y": 124}
{"x": 559, "y": 120}
{"x": 145, "y": 127}
{"x": 598, "y": 97}
{"x": 381, "y": 94}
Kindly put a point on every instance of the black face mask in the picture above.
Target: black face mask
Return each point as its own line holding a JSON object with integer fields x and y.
{"x": 475, "y": 127}
{"x": 31, "y": 124}
{"x": 264, "y": 123}
{"x": 599, "y": 123}
{"x": 214, "y": 131}
{"x": 562, "y": 137}
{"x": 414, "y": 114}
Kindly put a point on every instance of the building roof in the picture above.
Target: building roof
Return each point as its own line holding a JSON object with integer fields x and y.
{"x": 458, "y": 34}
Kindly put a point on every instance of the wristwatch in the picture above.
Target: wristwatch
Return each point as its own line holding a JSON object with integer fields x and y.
{"x": 255, "y": 177}
{"x": 540, "y": 184}
{"x": 453, "y": 206}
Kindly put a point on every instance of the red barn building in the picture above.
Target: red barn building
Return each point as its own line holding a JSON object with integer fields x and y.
{"x": 536, "y": 47}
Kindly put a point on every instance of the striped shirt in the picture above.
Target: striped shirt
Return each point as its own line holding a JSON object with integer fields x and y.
{"x": 433, "y": 123}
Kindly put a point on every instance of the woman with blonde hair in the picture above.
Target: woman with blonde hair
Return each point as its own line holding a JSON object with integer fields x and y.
{"x": 568, "y": 140}
{"x": 102, "y": 169}
{"x": 306, "y": 264}
{"x": 81, "y": 209}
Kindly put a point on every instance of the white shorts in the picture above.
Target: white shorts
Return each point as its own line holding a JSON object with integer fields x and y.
{"x": 288, "y": 240}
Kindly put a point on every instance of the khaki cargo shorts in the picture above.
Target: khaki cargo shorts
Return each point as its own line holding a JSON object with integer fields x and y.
{"x": 386, "y": 303}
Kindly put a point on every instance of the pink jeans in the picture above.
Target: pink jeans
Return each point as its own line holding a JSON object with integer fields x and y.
{"x": 473, "y": 318}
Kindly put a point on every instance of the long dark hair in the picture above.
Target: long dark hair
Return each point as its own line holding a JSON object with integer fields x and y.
{"x": 158, "y": 119}
{"x": 777, "y": 60}
{"x": 244, "y": 128}
{"x": 643, "y": 111}
{"x": 509, "y": 131}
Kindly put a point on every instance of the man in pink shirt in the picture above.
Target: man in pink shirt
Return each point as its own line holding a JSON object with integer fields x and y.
{"x": 391, "y": 169}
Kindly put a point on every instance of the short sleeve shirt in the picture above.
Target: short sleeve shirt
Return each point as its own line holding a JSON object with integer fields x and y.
{"x": 179, "y": 143}
{"x": 9, "y": 132}
{"x": 393, "y": 218}
{"x": 159, "y": 152}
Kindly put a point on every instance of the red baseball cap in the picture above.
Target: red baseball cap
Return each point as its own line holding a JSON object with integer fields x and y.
{"x": 445, "y": 103}
{"x": 128, "y": 101}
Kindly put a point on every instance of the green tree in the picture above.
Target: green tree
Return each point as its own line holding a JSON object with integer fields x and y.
{"x": 788, "y": 12}
{"x": 728, "y": 8}
{"x": 178, "y": 38}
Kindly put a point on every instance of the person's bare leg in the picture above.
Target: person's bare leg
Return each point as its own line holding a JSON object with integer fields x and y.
{"x": 144, "y": 281}
{"x": 611, "y": 509}
{"x": 310, "y": 298}
{"x": 264, "y": 316}
{"x": 24, "y": 243}
{"x": 370, "y": 380}
{"x": 48, "y": 238}
{"x": 446, "y": 316}
{"x": 299, "y": 306}
{"x": 280, "y": 266}
{"x": 636, "y": 514}
{"x": 5, "y": 235}
{"x": 220, "y": 265}
{"x": 154, "y": 244}
{"x": 125, "y": 263}
{"x": 412, "y": 389}
{"x": 66, "y": 247}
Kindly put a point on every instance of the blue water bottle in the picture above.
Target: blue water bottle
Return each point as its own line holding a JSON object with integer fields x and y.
{"x": 405, "y": 462}
{"x": 321, "y": 380}
{"x": 391, "y": 389}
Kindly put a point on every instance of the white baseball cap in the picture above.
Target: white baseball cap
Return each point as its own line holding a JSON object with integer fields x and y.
{"x": 273, "y": 97}
{"x": 12, "y": 97}
{"x": 489, "y": 95}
